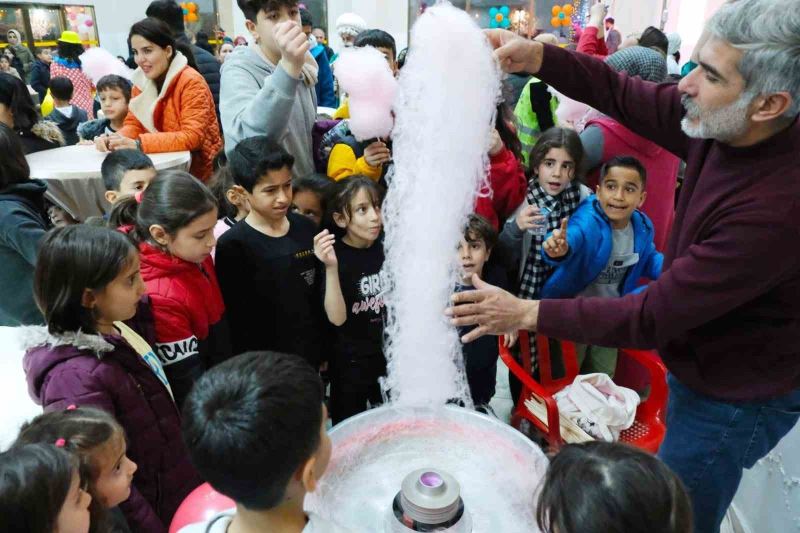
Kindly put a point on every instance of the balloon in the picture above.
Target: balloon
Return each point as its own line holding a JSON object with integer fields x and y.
{"x": 185, "y": 11}
{"x": 72, "y": 15}
{"x": 89, "y": 23}
{"x": 192, "y": 7}
{"x": 561, "y": 15}
{"x": 493, "y": 24}
{"x": 567, "y": 21}
{"x": 506, "y": 23}
{"x": 493, "y": 12}
{"x": 499, "y": 17}
{"x": 192, "y": 17}
{"x": 568, "y": 9}
{"x": 556, "y": 10}
{"x": 201, "y": 503}
{"x": 555, "y": 21}
{"x": 505, "y": 11}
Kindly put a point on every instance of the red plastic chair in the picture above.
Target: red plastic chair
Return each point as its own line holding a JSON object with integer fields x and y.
{"x": 648, "y": 428}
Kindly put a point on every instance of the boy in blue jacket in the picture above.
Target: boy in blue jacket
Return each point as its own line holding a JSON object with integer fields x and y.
{"x": 605, "y": 248}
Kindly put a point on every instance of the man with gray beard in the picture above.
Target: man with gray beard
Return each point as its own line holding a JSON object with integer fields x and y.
{"x": 725, "y": 313}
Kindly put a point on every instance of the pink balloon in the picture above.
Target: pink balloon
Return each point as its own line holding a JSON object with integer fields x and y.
{"x": 72, "y": 15}
{"x": 199, "y": 506}
{"x": 89, "y": 23}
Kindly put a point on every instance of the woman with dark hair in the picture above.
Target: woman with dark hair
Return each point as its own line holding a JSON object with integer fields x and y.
{"x": 22, "y": 225}
{"x": 18, "y": 112}
{"x": 172, "y": 108}
{"x": 68, "y": 64}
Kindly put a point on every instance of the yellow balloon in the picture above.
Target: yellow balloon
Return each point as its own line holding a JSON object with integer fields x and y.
{"x": 556, "y": 10}
{"x": 568, "y": 9}
{"x": 555, "y": 21}
{"x": 567, "y": 21}
{"x": 191, "y": 17}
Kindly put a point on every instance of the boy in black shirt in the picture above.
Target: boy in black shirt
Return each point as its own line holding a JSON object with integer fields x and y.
{"x": 480, "y": 356}
{"x": 354, "y": 284}
{"x": 265, "y": 263}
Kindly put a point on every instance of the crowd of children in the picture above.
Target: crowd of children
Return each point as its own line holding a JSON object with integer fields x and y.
{"x": 131, "y": 321}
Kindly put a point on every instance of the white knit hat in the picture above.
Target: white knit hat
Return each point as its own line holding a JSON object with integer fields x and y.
{"x": 350, "y": 24}
{"x": 674, "y": 43}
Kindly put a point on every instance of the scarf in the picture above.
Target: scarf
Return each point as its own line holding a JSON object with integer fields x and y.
{"x": 536, "y": 271}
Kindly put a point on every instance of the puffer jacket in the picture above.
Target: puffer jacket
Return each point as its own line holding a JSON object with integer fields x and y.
{"x": 191, "y": 331}
{"x": 104, "y": 371}
{"x": 179, "y": 117}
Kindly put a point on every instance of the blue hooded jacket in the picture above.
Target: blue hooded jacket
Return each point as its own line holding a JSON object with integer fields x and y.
{"x": 590, "y": 244}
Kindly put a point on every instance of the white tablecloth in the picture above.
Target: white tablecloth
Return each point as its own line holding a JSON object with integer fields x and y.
{"x": 74, "y": 181}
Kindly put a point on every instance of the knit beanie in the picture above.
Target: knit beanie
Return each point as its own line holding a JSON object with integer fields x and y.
{"x": 350, "y": 24}
{"x": 639, "y": 61}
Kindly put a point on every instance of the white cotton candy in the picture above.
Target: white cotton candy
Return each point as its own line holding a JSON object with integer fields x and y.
{"x": 365, "y": 76}
{"x": 444, "y": 111}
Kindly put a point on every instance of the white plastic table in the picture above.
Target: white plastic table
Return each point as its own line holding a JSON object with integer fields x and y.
{"x": 73, "y": 177}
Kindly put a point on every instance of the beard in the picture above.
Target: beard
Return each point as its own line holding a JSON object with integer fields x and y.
{"x": 724, "y": 124}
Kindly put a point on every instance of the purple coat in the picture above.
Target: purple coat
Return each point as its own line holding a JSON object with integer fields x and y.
{"x": 105, "y": 372}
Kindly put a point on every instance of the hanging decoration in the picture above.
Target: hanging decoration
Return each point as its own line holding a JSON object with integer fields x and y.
{"x": 189, "y": 11}
{"x": 499, "y": 17}
{"x": 562, "y": 15}
{"x": 80, "y": 22}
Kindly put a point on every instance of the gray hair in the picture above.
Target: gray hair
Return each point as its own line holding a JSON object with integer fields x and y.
{"x": 768, "y": 34}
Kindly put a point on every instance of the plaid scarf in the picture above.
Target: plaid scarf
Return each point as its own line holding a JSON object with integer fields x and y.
{"x": 536, "y": 271}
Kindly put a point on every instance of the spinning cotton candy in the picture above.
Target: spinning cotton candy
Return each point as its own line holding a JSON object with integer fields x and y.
{"x": 444, "y": 112}
{"x": 98, "y": 62}
{"x": 364, "y": 75}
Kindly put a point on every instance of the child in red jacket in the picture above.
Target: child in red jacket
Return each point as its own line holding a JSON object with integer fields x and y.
{"x": 172, "y": 222}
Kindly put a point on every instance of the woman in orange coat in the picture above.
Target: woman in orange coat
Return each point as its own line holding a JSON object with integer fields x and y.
{"x": 172, "y": 108}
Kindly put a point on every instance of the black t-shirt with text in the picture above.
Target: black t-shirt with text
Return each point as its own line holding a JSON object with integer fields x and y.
{"x": 272, "y": 289}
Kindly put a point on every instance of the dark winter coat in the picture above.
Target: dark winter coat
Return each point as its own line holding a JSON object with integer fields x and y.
{"x": 44, "y": 135}
{"x": 23, "y": 223}
{"x": 105, "y": 372}
{"x": 40, "y": 78}
{"x": 69, "y": 124}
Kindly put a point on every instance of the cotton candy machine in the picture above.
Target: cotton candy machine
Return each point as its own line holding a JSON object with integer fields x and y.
{"x": 496, "y": 469}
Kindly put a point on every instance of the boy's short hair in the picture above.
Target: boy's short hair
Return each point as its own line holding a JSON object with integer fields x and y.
{"x": 61, "y": 88}
{"x": 625, "y": 161}
{"x": 376, "y": 39}
{"x": 40, "y": 49}
{"x": 254, "y": 157}
{"x": 250, "y": 8}
{"x": 112, "y": 81}
{"x": 167, "y": 11}
{"x": 306, "y": 19}
{"x": 117, "y": 163}
{"x": 251, "y": 422}
{"x": 478, "y": 228}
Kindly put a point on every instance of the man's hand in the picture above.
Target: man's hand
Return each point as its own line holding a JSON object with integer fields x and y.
{"x": 514, "y": 53}
{"x": 493, "y": 310}
{"x": 377, "y": 154}
{"x": 293, "y": 44}
{"x": 556, "y": 246}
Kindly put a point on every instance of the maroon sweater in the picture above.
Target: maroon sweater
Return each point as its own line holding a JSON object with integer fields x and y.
{"x": 725, "y": 313}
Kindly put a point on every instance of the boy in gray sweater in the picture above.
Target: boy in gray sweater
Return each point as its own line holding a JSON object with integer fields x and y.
{"x": 268, "y": 87}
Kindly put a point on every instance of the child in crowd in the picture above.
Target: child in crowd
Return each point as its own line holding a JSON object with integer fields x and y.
{"x": 266, "y": 264}
{"x": 232, "y": 204}
{"x": 87, "y": 283}
{"x": 232, "y": 414}
{"x": 506, "y": 176}
{"x": 553, "y": 194}
{"x": 172, "y": 222}
{"x": 125, "y": 173}
{"x": 41, "y": 491}
{"x": 480, "y": 356}
{"x": 268, "y": 87}
{"x": 40, "y": 73}
{"x": 353, "y": 295}
{"x": 65, "y": 115}
{"x": 99, "y": 443}
{"x": 349, "y": 156}
{"x": 605, "y": 248}
{"x": 603, "y": 487}
{"x": 115, "y": 95}
{"x": 309, "y": 196}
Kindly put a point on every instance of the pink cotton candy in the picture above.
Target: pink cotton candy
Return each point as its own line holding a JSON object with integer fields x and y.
{"x": 365, "y": 76}
{"x": 98, "y": 62}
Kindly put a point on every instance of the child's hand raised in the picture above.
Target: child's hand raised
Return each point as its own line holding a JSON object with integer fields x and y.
{"x": 529, "y": 218}
{"x": 293, "y": 44}
{"x": 323, "y": 249}
{"x": 556, "y": 246}
{"x": 377, "y": 153}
